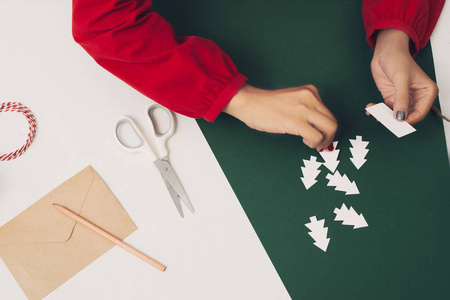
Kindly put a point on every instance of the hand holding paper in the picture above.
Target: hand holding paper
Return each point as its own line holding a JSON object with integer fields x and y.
{"x": 403, "y": 84}
{"x": 386, "y": 117}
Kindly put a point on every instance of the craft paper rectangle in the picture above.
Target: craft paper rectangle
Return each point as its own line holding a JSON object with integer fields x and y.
{"x": 385, "y": 116}
{"x": 43, "y": 248}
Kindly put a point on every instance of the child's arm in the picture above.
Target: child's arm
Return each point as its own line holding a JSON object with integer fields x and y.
{"x": 397, "y": 30}
{"x": 188, "y": 75}
{"x": 191, "y": 75}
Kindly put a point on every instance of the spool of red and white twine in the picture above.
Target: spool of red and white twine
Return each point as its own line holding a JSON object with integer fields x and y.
{"x": 18, "y": 107}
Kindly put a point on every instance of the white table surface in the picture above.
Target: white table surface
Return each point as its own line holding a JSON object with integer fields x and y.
{"x": 212, "y": 254}
{"x": 440, "y": 43}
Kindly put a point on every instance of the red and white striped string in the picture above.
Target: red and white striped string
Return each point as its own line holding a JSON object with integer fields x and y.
{"x": 20, "y": 108}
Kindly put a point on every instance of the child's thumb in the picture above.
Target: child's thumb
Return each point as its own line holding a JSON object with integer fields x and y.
{"x": 401, "y": 98}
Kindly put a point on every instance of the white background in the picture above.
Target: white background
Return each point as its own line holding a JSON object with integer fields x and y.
{"x": 440, "y": 43}
{"x": 211, "y": 254}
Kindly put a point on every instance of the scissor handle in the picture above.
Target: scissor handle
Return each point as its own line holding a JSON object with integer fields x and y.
{"x": 161, "y": 138}
{"x": 143, "y": 146}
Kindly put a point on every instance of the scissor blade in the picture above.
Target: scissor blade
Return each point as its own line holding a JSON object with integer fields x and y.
{"x": 175, "y": 198}
{"x": 167, "y": 172}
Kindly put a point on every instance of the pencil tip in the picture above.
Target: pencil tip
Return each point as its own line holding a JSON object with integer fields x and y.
{"x": 53, "y": 203}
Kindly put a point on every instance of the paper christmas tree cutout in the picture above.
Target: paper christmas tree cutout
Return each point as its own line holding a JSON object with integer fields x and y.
{"x": 310, "y": 171}
{"x": 331, "y": 158}
{"x": 342, "y": 183}
{"x": 350, "y": 217}
{"x": 318, "y": 233}
{"x": 359, "y": 151}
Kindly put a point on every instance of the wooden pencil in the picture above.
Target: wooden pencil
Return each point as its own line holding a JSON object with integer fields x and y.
{"x": 109, "y": 236}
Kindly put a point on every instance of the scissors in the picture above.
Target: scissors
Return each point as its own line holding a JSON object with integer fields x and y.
{"x": 157, "y": 152}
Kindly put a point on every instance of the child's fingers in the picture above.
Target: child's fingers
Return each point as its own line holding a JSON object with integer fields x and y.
{"x": 419, "y": 112}
{"x": 423, "y": 105}
{"x": 312, "y": 137}
{"x": 325, "y": 125}
{"x": 320, "y": 106}
{"x": 367, "y": 106}
{"x": 401, "y": 98}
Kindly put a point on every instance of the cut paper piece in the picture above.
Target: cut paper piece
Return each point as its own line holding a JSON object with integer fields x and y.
{"x": 310, "y": 171}
{"x": 318, "y": 233}
{"x": 385, "y": 115}
{"x": 350, "y": 217}
{"x": 331, "y": 158}
{"x": 342, "y": 183}
{"x": 358, "y": 151}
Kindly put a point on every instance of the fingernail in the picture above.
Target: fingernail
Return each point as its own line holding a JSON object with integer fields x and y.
{"x": 321, "y": 150}
{"x": 400, "y": 115}
{"x": 330, "y": 148}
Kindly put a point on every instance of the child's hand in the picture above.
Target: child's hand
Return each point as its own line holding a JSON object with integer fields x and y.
{"x": 296, "y": 111}
{"x": 404, "y": 86}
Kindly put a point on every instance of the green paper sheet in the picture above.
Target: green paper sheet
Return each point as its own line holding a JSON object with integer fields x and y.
{"x": 404, "y": 185}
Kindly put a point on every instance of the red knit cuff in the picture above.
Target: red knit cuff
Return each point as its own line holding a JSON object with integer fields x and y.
{"x": 225, "y": 97}
{"x": 394, "y": 24}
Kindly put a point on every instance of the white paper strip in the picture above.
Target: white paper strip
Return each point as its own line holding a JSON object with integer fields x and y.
{"x": 385, "y": 115}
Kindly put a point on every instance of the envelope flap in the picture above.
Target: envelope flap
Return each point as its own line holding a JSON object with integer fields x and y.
{"x": 39, "y": 224}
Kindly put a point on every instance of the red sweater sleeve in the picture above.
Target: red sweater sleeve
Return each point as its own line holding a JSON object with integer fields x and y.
{"x": 417, "y": 18}
{"x": 189, "y": 75}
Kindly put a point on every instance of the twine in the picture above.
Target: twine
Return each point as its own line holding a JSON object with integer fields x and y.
{"x": 18, "y": 107}
{"x": 436, "y": 111}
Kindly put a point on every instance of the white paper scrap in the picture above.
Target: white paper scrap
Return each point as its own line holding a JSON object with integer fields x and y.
{"x": 310, "y": 171}
{"x": 358, "y": 151}
{"x": 350, "y": 217}
{"x": 342, "y": 183}
{"x": 318, "y": 233}
{"x": 385, "y": 115}
{"x": 331, "y": 158}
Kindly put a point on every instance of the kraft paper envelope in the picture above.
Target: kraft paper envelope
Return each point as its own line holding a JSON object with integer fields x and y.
{"x": 43, "y": 248}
